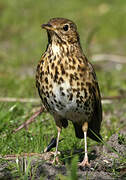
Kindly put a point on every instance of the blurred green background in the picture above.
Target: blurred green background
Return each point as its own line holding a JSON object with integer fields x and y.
{"x": 102, "y": 28}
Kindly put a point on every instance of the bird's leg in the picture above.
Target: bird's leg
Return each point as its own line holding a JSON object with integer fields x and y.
{"x": 85, "y": 160}
{"x": 57, "y": 142}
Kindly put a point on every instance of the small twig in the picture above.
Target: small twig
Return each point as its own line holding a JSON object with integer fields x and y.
{"x": 28, "y": 100}
{"x": 109, "y": 57}
{"x": 109, "y": 99}
{"x": 21, "y": 100}
{"x": 113, "y": 97}
{"x": 30, "y": 120}
{"x": 44, "y": 156}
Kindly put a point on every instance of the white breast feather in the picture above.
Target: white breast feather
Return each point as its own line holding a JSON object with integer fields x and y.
{"x": 55, "y": 49}
{"x": 63, "y": 99}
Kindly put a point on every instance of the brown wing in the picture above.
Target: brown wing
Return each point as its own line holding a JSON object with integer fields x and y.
{"x": 95, "y": 123}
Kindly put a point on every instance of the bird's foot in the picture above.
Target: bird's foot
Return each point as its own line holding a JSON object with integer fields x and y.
{"x": 85, "y": 163}
{"x": 55, "y": 158}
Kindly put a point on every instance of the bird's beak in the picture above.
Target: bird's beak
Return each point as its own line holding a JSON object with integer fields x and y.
{"x": 47, "y": 26}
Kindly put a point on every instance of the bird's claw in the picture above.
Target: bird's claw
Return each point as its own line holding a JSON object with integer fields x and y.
{"x": 85, "y": 163}
{"x": 55, "y": 160}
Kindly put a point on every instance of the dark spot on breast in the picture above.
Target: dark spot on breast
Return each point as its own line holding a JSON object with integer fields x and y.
{"x": 42, "y": 61}
{"x": 74, "y": 90}
{"x": 51, "y": 75}
{"x": 50, "y": 86}
{"x": 59, "y": 61}
{"x": 47, "y": 94}
{"x": 61, "y": 88}
{"x": 73, "y": 67}
{"x": 52, "y": 66}
{"x": 61, "y": 79}
{"x": 85, "y": 92}
{"x": 56, "y": 74}
{"x": 77, "y": 101}
{"x": 46, "y": 72}
{"x": 51, "y": 102}
{"x": 70, "y": 67}
{"x": 66, "y": 62}
{"x": 61, "y": 104}
{"x": 70, "y": 60}
{"x": 71, "y": 97}
{"x": 62, "y": 69}
{"x": 78, "y": 68}
{"x": 46, "y": 80}
{"x": 82, "y": 84}
{"x": 78, "y": 94}
{"x": 63, "y": 94}
{"x": 81, "y": 75}
{"x": 50, "y": 60}
{"x": 74, "y": 62}
{"x": 67, "y": 52}
{"x": 80, "y": 60}
{"x": 70, "y": 81}
{"x": 81, "y": 98}
{"x": 66, "y": 74}
{"x": 48, "y": 69}
{"x": 49, "y": 56}
{"x": 83, "y": 68}
{"x": 71, "y": 76}
{"x": 50, "y": 92}
{"x": 41, "y": 74}
{"x": 55, "y": 100}
{"x": 86, "y": 103}
{"x": 57, "y": 105}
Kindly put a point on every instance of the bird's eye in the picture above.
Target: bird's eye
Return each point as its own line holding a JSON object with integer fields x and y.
{"x": 65, "y": 27}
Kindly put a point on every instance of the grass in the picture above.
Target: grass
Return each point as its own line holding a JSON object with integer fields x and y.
{"x": 21, "y": 44}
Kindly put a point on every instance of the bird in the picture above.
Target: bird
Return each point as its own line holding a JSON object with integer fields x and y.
{"x": 67, "y": 84}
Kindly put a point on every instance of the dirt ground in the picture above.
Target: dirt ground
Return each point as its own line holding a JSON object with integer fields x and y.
{"x": 102, "y": 158}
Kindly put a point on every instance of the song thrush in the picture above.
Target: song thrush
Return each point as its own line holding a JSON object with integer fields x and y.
{"x": 67, "y": 83}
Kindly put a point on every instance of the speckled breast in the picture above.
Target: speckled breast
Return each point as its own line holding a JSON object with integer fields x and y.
{"x": 62, "y": 90}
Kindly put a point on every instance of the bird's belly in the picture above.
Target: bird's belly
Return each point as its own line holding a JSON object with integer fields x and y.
{"x": 64, "y": 103}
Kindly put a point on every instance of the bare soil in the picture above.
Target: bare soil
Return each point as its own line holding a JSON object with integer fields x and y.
{"x": 104, "y": 160}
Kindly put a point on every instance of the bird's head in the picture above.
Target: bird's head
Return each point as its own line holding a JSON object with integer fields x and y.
{"x": 61, "y": 30}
